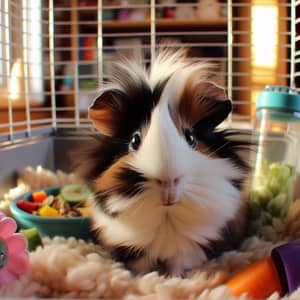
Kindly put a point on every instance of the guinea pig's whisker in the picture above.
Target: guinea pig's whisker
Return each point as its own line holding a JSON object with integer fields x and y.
{"x": 106, "y": 192}
{"x": 101, "y": 194}
{"x": 191, "y": 194}
{"x": 218, "y": 149}
{"x": 198, "y": 189}
{"x": 195, "y": 197}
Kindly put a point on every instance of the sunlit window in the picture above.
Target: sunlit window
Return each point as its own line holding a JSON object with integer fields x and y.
{"x": 264, "y": 35}
{"x": 21, "y": 51}
{"x": 3, "y": 15}
{"x": 32, "y": 53}
{"x": 264, "y": 46}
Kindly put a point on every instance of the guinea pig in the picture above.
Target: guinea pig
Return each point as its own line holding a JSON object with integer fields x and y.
{"x": 168, "y": 182}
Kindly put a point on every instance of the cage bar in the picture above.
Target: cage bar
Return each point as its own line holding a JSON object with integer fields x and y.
{"x": 81, "y": 39}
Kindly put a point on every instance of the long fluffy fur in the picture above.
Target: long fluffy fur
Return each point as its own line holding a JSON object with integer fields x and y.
{"x": 167, "y": 204}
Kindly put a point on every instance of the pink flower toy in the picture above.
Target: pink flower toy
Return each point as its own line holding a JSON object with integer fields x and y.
{"x": 14, "y": 257}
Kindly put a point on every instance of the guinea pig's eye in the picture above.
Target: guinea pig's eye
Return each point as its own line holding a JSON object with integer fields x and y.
{"x": 190, "y": 138}
{"x": 135, "y": 141}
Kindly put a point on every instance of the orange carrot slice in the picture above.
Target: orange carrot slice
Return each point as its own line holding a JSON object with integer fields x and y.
{"x": 259, "y": 280}
{"x": 39, "y": 197}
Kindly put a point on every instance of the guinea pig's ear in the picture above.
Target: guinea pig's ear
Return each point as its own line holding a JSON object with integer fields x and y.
{"x": 208, "y": 104}
{"x": 105, "y": 112}
{"x": 219, "y": 111}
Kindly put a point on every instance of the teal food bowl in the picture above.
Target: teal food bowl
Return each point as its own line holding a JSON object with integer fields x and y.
{"x": 78, "y": 227}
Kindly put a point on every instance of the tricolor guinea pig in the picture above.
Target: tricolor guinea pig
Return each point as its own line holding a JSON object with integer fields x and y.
{"x": 167, "y": 182}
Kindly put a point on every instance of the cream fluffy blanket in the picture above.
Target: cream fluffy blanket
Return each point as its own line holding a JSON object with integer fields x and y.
{"x": 69, "y": 268}
{"x": 76, "y": 269}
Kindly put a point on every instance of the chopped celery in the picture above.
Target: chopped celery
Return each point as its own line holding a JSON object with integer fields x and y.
{"x": 274, "y": 183}
{"x": 270, "y": 197}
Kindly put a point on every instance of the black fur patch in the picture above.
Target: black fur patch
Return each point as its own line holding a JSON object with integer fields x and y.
{"x": 100, "y": 154}
{"x": 132, "y": 105}
{"x": 132, "y": 182}
{"x": 100, "y": 199}
{"x": 120, "y": 253}
{"x": 221, "y": 144}
{"x": 217, "y": 247}
{"x": 126, "y": 254}
{"x": 231, "y": 234}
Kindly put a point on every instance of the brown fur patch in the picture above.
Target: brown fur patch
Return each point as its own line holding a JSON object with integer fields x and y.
{"x": 108, "y": 180}
{"x": 105, "y": 112}
{"x": 197, "y": 99}
{"x": 103, "y": 120}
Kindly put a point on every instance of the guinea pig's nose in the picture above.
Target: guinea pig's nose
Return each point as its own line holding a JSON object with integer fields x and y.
{"x": 169, "y": 190}
{"x": 168, "y": 183}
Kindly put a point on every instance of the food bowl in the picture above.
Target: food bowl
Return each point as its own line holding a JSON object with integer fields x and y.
{"x": 78, "y": 227}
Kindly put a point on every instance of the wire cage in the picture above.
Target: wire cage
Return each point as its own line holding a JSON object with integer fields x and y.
{"x": 54, "y": 54}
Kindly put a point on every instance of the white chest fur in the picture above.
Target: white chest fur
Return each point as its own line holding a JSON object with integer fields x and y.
{"x": 170, "y": 233}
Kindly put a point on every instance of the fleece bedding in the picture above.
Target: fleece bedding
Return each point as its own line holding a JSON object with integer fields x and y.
{"x": 77, "y": 269}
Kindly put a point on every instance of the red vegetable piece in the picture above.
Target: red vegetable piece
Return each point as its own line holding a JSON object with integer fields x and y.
{"x": 39, "y": 196}
{"x": 27, "y": 205}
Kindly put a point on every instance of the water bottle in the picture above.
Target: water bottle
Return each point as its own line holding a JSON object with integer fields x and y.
{"x": 277, "y": 128}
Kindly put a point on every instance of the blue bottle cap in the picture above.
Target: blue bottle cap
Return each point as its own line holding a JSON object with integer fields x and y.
{"x": 279, "y": 98}
{"x": 282, "y": 101}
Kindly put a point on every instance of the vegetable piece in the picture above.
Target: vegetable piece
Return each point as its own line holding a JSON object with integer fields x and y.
{"x": 48, "y": 211}
{"x": 27, "y": 206}
{"x": 274, "y": 180}
{"x": 75, "y": 193}
{"x": 33, "y": 237}
{"x": 270, "y": 198}
{"x": 39, "y": 197}
{"x": 84, "y": 211}
{"x": 259, "y": 280}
